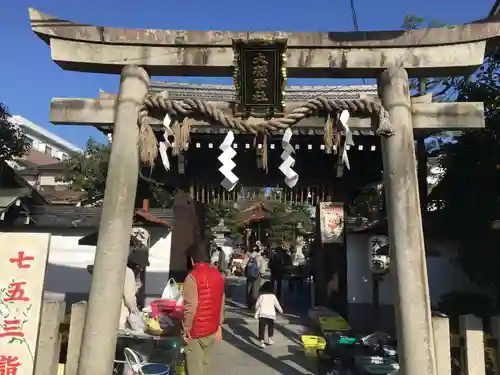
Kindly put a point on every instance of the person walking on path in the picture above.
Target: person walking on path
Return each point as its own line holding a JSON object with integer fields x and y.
{"x": 255, "y": 267}
{"x": 218, "y": 259}
{"x": 265, "y": 311}
{"x": 277, "y": 267}
{"x": 203, "y": 295}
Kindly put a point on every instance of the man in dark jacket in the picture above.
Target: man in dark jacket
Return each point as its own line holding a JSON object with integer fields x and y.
{"x": 277, "y": 267}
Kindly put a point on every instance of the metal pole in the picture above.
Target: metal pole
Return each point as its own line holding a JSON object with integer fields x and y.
{"x": 106, "y": 292}
{"x": 412, "y": 305}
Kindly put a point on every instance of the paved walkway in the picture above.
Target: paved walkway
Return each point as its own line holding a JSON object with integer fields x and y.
{"x": 238, "y": 354}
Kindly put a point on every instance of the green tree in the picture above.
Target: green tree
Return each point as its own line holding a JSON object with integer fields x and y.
{"x": 13, "y": 142}
{"x": 469, "y": 198}
{"x": 281, "y": 224}
{"x": 283, "y": 221}
{"x": 87, "y": 171}
{"x": 470, "y": 191}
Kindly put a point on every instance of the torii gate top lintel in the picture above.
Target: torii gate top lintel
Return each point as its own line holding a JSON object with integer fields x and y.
{"x": 89, "y": 48}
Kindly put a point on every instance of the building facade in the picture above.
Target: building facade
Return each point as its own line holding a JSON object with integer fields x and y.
{"x": 43, "y": 141}
{"x": 42, "y": 167}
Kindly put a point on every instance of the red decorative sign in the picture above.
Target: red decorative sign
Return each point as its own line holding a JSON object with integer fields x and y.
{"x": 332, "y": 222}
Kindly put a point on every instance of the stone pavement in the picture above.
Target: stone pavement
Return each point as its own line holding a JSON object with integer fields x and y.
{"x": 238, "y": 353}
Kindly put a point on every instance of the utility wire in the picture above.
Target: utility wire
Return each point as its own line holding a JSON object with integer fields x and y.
{"x": 356, "y": 28}
{"x": 355, "y": 23}
{"x": 354, "y": 15}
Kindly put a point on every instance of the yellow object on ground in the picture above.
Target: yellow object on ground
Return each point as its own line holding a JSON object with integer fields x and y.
{"x": 60, "y": 369}
{"x": 336, "y": 323}
{"x": 312, "y": 344}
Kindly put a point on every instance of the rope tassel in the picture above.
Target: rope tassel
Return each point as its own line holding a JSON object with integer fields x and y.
{"x": 328, "y": 137}
{"x": 343, "y": 119}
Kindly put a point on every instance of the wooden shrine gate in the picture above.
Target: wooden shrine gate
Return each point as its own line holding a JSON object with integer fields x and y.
{"x": 389, "y": 56}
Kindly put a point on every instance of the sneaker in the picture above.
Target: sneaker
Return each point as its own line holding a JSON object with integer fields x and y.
{"x": 270, "y": 341}
{"x": 262, "y": 345}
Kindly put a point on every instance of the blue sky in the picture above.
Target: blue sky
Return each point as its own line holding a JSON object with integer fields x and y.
{"x": 29, "y": 78}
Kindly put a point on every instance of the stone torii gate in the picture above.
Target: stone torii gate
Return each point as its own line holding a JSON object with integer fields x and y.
{"x": 389, "y": 56}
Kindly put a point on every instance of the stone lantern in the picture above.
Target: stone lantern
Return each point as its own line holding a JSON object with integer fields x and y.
{"x": 220, "y": 231}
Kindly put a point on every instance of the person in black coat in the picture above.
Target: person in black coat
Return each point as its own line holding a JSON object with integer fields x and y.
{"x": 277, "y": 267}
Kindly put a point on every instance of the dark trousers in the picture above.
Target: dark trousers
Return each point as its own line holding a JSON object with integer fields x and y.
{"x": 278, "y": 279}
{"x": 263, "y": 323}
{"x": 253, "y": 286}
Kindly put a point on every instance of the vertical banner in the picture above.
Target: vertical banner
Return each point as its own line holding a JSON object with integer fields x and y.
{"x": 22, "y": 274}
{"x": 332, "y": 223}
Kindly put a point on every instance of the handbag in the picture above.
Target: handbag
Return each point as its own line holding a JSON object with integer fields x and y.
{"x": 171, "y": 291}
{"x": 136, "y": 322}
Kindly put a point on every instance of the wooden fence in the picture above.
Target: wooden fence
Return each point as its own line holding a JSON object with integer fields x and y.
{"x": 60, "y": 332}
{"x": 464, "y": 353}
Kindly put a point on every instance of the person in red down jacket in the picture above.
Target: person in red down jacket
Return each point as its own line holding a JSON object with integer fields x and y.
{"x": 203, "y": 294}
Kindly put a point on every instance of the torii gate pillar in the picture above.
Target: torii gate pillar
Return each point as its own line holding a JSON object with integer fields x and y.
{"x": 106, "y": 291}
{"x": 412, "y": 303}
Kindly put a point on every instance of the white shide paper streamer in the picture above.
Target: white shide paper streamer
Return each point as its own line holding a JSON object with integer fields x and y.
{"x": 291, "y": 177}
{"x": 226, "y": 158}
{"x": 164, "y": 146}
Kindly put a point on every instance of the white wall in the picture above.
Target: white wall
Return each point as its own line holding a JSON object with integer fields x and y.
{"x": 45, "y": 179}
{"x": 41, "y": 138}
{"x": 444, "y": 276}
{"x": 68, "y": 261}
{"x": 41, "y": 144}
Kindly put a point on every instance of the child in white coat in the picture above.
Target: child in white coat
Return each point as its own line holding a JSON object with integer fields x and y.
{"x": 265, "y": 311}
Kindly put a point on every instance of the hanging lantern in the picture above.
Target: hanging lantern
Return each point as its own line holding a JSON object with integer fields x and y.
{"x": 379, "y": 254}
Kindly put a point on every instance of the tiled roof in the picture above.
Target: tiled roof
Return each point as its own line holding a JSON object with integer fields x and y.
{"x": 9, "y": 178}
{"x": 9, "y": 197}
{"x": 34, "y": 169}
{"x": 179, "y": 91}
{"x": 39, "y": 158}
